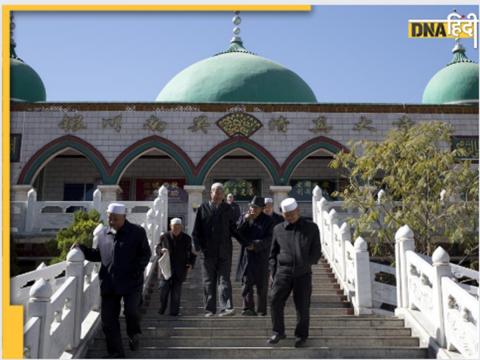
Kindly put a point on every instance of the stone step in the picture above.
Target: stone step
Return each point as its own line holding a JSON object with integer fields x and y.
{"x": 288, "y": 310}
{"x": 238, "y": 303}
{"x": 156, "y": 331}
{"x": 316, "y": 298}
{"x": 284, "y": 352}
{"x": 346, "y": 321}
{"x": 259, "y": 341}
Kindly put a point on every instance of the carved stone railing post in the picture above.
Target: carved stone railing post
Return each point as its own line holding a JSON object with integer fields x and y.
{"x": 363, "y": 284}
{"x": 30, "y": 218}
{"x": 441, "y": 265}
{"x": 75, "y": 268}
{"x": 344, "y": 237}
{"x": 317, "y": 196}
{"x": 38, "y": 306}
{"x": 404, "y": 242}
{"x": 332, "y": 220}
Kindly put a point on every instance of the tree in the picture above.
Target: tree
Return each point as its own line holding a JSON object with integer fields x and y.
{"x": 426, "y": 185}
{"x": 81, "y": 231}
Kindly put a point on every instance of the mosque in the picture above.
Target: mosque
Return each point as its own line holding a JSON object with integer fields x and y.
{"x": 235, "y": 117}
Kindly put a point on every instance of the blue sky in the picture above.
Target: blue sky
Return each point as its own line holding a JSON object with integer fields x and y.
{"x": 345, "y": 53}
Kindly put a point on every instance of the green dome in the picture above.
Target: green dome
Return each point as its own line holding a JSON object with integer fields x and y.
{"x": 25, "y": 84}
{"x": 454, "y": 84}
{"x": 237, "y": 75}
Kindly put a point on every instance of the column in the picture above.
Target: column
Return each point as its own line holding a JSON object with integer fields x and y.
{"x": 195, "y": 199}
{"x": 279, "y": 193}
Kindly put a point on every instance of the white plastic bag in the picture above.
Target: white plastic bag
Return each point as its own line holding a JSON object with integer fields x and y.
{"x": 164, "y": 267}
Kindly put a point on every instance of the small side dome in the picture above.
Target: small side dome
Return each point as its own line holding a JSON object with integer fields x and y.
{"x": 25, "y": 84}
{"x": 457, "y": 83}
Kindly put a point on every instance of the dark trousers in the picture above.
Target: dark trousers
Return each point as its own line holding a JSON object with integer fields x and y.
{"x": 172, "y": 287}
{"x": 283, "y": 284}
{"x": 216, "y": 272}
{"x": 261, "y": 283}
{"x": 110, "y": 311}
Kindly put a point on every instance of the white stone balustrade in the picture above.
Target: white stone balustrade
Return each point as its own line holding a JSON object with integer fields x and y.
{"x": 443, "y": 313}
{"x": 63, "y": 304}
{"x": 32, "y": 216}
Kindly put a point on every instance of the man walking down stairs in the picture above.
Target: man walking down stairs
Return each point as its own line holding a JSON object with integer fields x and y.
{"x": 335, "y": 332}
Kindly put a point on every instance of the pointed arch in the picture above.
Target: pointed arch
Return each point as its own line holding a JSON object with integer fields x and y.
{"x": 134, "y": 151}
{"x": 45, "y": 154}
{"x": 303, "y": 151}
{"x": 210, "y": 159}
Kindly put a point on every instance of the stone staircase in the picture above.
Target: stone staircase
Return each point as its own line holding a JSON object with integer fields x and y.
{"x": 335, "y": 332}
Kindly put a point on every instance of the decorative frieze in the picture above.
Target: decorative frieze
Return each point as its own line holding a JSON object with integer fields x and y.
{"x": 404, "y": 122}
{"x": 320, "y": 125}
{"x": 364, "y": 124}
{"x": 154, "y": 124}
{"x": 72, "y": 123}
{"x": 279, "y": 124}
{"x": 114, "y": 122}
{"x": 239, "y": 123}
{"x": 200, "y": 123}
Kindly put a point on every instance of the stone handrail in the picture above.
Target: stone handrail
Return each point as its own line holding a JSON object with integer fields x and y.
{"x": 62, "y": 312}
{"x": 440, "y": 311}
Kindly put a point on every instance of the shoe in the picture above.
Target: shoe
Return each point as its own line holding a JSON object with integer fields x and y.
{"x": 161, "y": 312}
{"x": 299, "y": 342}
{"x": 114, "y": 356}
{"x": 134, "y": 342}
{"x": 276, "y": 338}
{"x": 177, "y": 314}
{"x": 208, "y": 314}
{"x": 262, "y": 314}
{"x": 249, "y": 312}
{"x": 227, "y": 312}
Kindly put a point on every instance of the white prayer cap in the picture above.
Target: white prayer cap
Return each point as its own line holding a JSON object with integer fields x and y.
{"x": 216, "y": 185}
{"x": 176, "y": 221}
{"x": 268, "y": 201}
{"x": 116, "y": 208}
{"x": 289, "y": 204}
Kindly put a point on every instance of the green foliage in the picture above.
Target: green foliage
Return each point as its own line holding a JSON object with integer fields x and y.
{"x": 413, "y": 165}
{"x": 80, "y": 231}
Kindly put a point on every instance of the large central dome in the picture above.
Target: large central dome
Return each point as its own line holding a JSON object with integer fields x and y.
{"x": 237, "y": 75}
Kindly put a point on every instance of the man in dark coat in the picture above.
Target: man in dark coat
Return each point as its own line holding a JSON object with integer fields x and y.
{"x": 179, "y": 247}
{"x": 268, "y": 210}
{"x": 295, "y": 248}
{"x": 124, "y": 252}
{"x": 256, "y": 228}
{"x": 235, "y": 207}
{"x": 212, "y": 232}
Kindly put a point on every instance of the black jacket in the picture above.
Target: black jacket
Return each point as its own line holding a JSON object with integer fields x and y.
{"x": 295, "y": 248}
{"x": 259, "y": 233}
{"x": 236, "y": 211}
{"x": 277, "y": 219}
{"x": 124, "y": 257}
{"x": 213, "y": 230}
{"x": 180, "y": 250}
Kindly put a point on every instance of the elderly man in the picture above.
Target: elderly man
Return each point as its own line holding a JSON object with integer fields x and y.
{"x": 212, "y": 231}
{"x": 268, "y": 210}
{"x": 256, "y": 228}
{"x": 124, "y": 252}
{"x": 235, "y": 207}
{"x": 179, "y": 247}
{"x": 295, "y": 248}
